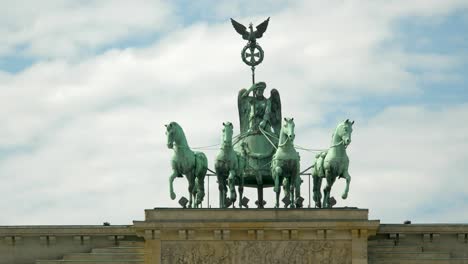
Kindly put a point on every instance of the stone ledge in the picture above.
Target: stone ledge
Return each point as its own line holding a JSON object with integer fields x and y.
{"x": 65, "y": 230}
{"x": 422, "y": 228}
{"x": 254, "y": 215}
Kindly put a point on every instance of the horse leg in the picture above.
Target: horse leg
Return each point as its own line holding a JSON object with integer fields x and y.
{"x": 191, "y": 186}
{"x": 348, "y": 180}
{"x": 327, "y": 190}
{"x": 316, "y": 189}
{"x": 297, "y": 188}
{"x": 200, "y": 189}
{"x": 195, "y": 193}
{"x": 171, "y": 184}
{"x": 241, "y": 189}
{"x": 286, "y": 186}
{"x": 232, "y": 187}
{"x": 222, "y": 195}
{"x": 297, "y": 183}
{"x": 225, "y": 190}
{"x": 278, "y": 194}
{"x": 221, "y": 175}
{"x": 277, "y": 172}
{"x": 291, "y": 191}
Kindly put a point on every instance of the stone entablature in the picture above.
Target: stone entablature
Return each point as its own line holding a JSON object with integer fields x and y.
{"x": 245, "y": 236}
{"x": 256, "y": 235}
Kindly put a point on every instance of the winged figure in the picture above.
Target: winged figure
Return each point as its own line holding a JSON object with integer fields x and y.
{"x": 257, "y": 111}
{"x": 250, "y": 35}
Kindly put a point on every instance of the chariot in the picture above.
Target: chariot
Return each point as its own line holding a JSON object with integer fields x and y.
{"x": 260, "y": 125}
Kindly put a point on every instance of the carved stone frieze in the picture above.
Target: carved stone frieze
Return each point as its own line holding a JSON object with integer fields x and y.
{"x": 256, "y": 252}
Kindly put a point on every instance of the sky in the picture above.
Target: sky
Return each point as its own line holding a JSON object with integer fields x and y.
{"x": 87, "y": 86}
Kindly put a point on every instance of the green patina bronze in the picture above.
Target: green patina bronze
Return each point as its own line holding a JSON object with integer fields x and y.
{"x": 252, "y": 54}
{"x": 229, "y": 167}
{"x": 263, "y": 154}
{"x": 193, "y": 165}
{"x": 285, "y": 166}
{"x": 257, "y": 111}
{"x": 333, "y": 163}
{"x": 260, "y": 124}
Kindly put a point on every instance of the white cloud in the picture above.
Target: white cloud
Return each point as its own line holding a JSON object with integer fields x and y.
{"x": 408, "y": 158}
{"x": 96, "y": 125}
{"x": 58, "y": 28}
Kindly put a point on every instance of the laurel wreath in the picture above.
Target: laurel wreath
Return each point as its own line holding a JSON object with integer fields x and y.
{"x": 252, "y": 62}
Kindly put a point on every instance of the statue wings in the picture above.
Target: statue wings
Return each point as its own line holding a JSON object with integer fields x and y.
{"x": 241, "y": 29}
{"x": 275, "y": 115}
{"x": 243, "y": 107}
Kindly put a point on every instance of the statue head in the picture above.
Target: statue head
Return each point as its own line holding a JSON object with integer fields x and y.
{"x": 227, "y": 132}
{"x": 259, "y": 88}
{"x": 344, "y": 131}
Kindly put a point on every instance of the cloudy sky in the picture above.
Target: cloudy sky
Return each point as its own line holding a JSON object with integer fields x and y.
{"x": 87, "y": 86}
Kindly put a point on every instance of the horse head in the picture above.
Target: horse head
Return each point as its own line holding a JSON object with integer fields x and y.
{"x": 288, "y": 128}
{"x": 174, "y": 133}
{"x": 344, "y": 131}
{"x": 287, "y": 131}
{"x": 228, "y": 129}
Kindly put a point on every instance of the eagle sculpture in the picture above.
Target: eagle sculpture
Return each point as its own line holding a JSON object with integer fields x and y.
{"x": 250, "y": 35}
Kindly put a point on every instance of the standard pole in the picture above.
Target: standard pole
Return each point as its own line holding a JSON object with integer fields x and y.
{"x": 253, "y": 74}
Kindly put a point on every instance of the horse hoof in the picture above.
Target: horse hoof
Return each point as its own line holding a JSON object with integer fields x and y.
{"x": 173, "y": 195}
{"x": 344, "y": 196}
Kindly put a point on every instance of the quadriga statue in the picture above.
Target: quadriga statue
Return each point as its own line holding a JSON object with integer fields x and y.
{"x": 193, "y": 165}
{"x": 333, "y": 163}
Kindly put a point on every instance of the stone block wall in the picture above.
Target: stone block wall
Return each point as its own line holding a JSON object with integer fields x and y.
{"x": 26, "y": 244}
{"x": 420, "y": 243}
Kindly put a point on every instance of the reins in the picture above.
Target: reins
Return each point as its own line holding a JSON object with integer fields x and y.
{"x": 263, "y": 132}
{"x": 284, "y": 143}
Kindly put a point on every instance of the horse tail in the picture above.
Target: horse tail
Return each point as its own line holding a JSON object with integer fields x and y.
{"x": 201, "y": 164}
{"x": 319, "y": 169}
